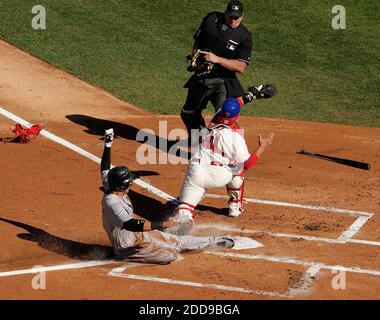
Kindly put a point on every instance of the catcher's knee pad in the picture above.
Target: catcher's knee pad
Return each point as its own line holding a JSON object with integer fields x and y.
{"x": 236, "y": 183}
{"x": 184, "y": 214}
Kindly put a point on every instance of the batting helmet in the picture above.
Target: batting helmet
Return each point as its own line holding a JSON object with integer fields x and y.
{"x": 119, "y": 178}
{"x": 229, "y": 112}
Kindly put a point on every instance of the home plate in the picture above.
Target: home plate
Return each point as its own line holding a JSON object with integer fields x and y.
{"x": 242, "y": 243}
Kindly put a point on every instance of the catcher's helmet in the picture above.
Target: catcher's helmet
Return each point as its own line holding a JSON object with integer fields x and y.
{"x": 119, "y": 178}
{"x": 229, "y": 112}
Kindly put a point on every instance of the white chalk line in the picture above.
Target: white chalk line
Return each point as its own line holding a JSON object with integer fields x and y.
{"x": 301, "y": 288}
{"x": 344, "y": 238}
{"x": 304, "y": 286}
{"x": 349, "y": 233}
{"x": 285, "y": 235}
{"x": 297, "y": 262}
{"x": 365, "y": 242}
{"x": 354, "y": 228}
{"x": 197, "y": 284}
{"x": 87, "y": 264}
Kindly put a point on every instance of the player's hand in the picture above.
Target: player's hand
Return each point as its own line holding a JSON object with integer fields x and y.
{"x": 264, "y": 142}
{"x": 170, "y": 223}
{"x": 210, "y": 57}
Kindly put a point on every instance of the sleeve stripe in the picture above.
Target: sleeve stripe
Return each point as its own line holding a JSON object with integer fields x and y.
{"x": 246, "y": 61}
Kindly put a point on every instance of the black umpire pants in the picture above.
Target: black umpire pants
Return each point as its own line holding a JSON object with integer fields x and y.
{"x": 200, "y": 92}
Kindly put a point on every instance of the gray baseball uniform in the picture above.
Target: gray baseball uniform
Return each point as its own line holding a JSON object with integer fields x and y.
{"x": 148, "y": 246}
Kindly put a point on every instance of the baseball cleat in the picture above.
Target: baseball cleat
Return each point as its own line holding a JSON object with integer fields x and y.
{"x": 234, "y": 209}
{"x": 108, "y": 137}
{"x": 225, "y": 242}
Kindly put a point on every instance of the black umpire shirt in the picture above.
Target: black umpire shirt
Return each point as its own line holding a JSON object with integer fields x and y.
{"x": 231, "y": 43}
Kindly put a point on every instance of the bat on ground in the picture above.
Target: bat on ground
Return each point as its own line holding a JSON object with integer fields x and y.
{"x": 346, "y": 162}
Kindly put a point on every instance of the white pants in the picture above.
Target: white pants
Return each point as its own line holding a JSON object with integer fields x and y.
{"x": 199, "y": 178}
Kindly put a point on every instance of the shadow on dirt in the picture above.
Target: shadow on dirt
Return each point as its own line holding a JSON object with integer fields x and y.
{"x": 69, "y": 248}
{"x": 149, "y": 208}
{"x": 219, "y": 211}
{"x": 97, "y": 127}
{"x": 153, "y": 210}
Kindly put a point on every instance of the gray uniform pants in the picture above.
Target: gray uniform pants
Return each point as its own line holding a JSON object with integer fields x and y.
{"x": 156, "y": 246}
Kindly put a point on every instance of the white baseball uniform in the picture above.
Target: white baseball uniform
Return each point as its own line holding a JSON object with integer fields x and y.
{"x": 218, "y": 162}
{"x": 148, "y": 246}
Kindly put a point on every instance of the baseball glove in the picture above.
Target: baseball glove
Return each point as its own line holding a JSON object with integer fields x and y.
{"x": 198, "y": 64}
{"x": 262, "y": 91}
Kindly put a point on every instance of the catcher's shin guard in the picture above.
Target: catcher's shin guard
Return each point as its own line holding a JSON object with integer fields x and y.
{"x": 235, "y": 191}
{"x": 184, "y": 213}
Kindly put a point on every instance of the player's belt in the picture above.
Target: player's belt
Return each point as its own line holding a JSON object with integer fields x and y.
{"x": 212, "y": 163}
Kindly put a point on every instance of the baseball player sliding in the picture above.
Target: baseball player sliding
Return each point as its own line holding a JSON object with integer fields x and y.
{"x": 221, "y": 159}
{"x": 140, "y": 240}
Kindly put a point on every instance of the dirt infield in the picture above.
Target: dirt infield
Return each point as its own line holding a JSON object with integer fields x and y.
{"x": 50, "y": 206}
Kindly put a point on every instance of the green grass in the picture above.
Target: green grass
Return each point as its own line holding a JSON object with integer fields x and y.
{"x": 136, "y": 50}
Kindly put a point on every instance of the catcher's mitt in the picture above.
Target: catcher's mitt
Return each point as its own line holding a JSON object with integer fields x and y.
{"x": 198, "y": 64}
{"x": 263, "y": 91}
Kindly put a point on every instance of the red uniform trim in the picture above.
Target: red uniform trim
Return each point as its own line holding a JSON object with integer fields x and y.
{"x": 185, "y": 203}
{"x": 191, "y": 211}
{"x": 251, "y": 161}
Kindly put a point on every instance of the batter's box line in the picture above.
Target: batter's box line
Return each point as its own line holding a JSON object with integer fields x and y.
{"x": 118, "y": 272}
{"x": 362, "y": 217}
{"x": 300, "y": 206}
{"x": 300, "y": 288}
{"x": 297, "y": 262}
{"x": 228, "y": 228}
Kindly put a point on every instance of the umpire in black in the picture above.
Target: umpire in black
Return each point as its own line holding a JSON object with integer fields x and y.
{"x": 226, "y": 46}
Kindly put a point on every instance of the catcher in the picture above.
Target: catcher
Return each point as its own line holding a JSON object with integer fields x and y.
{"x": 221, "y": 159}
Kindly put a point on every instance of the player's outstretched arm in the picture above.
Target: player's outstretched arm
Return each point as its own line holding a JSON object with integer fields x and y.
{"x": 105, "y": 164}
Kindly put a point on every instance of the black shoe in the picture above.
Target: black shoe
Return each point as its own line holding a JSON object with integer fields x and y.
{"x": 225, "y": 242}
